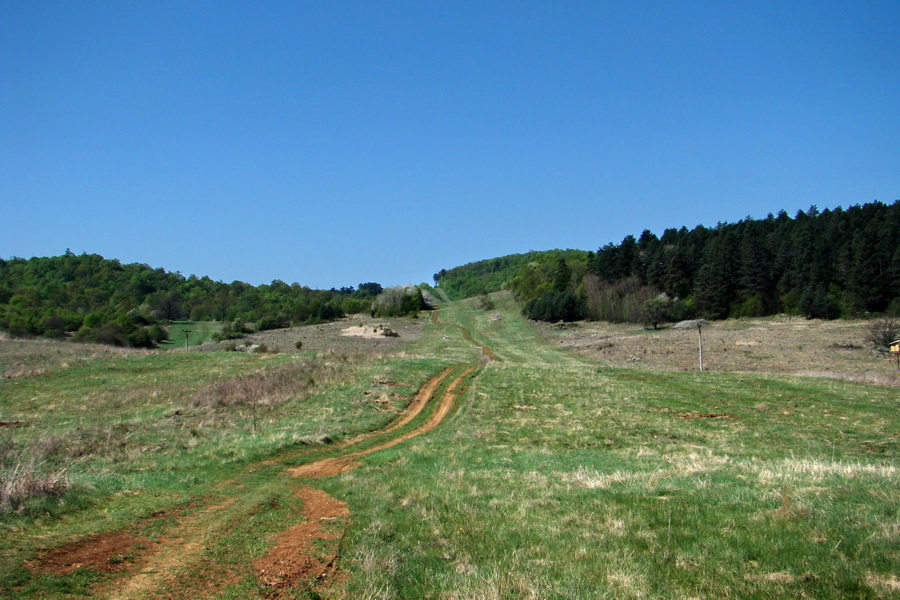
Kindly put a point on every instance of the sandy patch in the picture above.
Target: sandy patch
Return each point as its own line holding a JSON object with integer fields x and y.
{"x": 363, "y": 332}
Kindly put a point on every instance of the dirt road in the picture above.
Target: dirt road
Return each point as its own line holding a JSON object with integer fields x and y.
{"x": 303, "y": 556}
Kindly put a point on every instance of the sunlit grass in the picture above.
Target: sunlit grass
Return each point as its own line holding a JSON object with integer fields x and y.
{"x": 559, "y": 479}
{"x": 554, "y": 477}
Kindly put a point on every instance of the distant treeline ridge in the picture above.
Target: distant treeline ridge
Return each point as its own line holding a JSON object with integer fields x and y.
{"x": 90, "y": 298}
{"x": 818, "y": 264}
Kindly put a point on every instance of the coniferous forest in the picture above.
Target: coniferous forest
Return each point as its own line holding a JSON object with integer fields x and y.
{"x": 817, "y": 264}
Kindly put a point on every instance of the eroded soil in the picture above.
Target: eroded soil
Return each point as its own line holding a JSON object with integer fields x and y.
{"x": 306, "y": 554}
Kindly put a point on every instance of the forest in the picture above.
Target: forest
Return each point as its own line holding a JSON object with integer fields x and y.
{"x": 818, "y": 264}
{"x": 495, "y": 274}
{"x": 92, "y": 299}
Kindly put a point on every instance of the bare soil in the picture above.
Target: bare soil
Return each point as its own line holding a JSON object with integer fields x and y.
{"x": 307, "y": 552}
{"x": 771, "y": 345}
{"x": 332, "y": 466}
{"x": 104, "y": 552}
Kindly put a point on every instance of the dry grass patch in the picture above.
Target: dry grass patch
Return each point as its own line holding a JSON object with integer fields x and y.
{"x": 271, "y": 386}
{"x": 354, "y": 335}
{"x": 775, "y": 345}
{"x": 29, "y": 358}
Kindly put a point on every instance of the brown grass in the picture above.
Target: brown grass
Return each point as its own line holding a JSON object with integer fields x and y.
{"x": 330, "y": 337}
{"x": 24, "y": 476}
{"x": 835, "y": 349}
{"x": 272, "y": 386}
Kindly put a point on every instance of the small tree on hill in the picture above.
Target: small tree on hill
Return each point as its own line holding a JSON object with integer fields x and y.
{"x": 881, "y": 333}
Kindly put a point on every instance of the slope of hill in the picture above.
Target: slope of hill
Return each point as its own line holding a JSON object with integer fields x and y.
{"x": 90, "y": 298}
{"x": 516, "y": 470}
{"x": 495, "y": 274}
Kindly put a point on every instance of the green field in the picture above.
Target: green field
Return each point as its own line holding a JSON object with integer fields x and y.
{"x": 553, "y": 477}
{"x": 196, "y": 332}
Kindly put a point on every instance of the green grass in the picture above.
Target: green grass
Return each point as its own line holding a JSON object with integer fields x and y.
{"x": 197, "y": 333}
{"x": 555, "y": 477}
{"x": 133, "y": 439}
{"x": 561, "y": 479}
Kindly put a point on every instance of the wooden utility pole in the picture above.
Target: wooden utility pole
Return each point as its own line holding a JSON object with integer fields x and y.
{"x": 698, "y": 323}
{"x": 700, "y": 337}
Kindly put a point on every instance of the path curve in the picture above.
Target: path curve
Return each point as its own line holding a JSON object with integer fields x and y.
{"x": 305, "y": 554}
{"x": 486, "y": 350}
{"x": 348, "y": 462}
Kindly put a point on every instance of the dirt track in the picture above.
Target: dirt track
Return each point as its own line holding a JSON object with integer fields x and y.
{"x": 304, "y": 555}
{"x": 328, "y": 553}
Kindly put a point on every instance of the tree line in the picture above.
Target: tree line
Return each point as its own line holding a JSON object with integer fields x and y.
{"x": 495, "y": 274}
{"x": 817, "y": 264}
{"x": 89, "y": 298}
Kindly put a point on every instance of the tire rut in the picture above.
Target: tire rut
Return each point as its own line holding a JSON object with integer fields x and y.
{"x": 305, "y": 555}
{"x": 486, "y": 350}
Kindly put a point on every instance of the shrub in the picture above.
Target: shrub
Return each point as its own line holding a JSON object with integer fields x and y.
{"x": 554, "y": 306}
{"x": 271, "y": 322}
{"x": 399, "y": 301}
{"x": 25, "y": 476}
{"x": 882, "y": 332}
{"x": 486, "y": 302}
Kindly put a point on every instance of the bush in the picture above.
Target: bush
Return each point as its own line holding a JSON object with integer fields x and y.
{"x": 486, "y": 302}
{"x": 231, "y": 331}
{"x": 554, "y": 306}
{"x": 882, "y": 332}
{"x": 272, "y": 322}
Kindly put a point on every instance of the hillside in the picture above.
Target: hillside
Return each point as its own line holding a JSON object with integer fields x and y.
{"x": 828, "y": 264}
{"x": 92, "y": 299}
{"x": 495, "y": 274}
{"x": 817, "y": 264}
{"x": 476, "y": 460}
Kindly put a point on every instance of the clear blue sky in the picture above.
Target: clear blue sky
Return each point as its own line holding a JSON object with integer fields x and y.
{"x": 332, "y": 143}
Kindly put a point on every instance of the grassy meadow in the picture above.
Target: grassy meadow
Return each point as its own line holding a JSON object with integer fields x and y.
{"x": 556, "y": 476}
{"x": 196, "y": 332}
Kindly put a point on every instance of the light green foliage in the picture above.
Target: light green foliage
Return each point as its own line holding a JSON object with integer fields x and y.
{"x": 529, "y": 273}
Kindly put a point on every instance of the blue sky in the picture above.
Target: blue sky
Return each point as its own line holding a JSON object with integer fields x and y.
{"x": 332, "y": 143}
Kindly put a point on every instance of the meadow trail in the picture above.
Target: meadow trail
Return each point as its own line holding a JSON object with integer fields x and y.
{"x": 508, "y": 467}
{"x": 304, "y": 556}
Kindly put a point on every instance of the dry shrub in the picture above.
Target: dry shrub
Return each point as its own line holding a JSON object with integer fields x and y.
{"x": 275, "y": 385}
{"x": 24, "y": 475}
{"x": 616, "y": 302}
{"x": 883, "y": 333}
